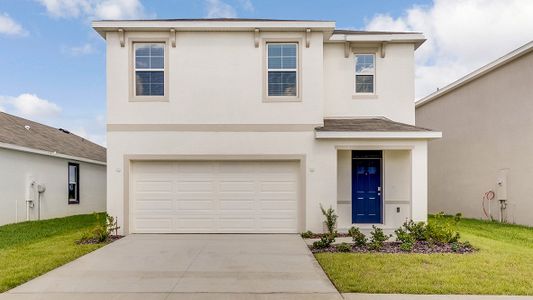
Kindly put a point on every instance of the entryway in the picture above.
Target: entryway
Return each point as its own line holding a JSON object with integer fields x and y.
{"x": 366, "y": 187}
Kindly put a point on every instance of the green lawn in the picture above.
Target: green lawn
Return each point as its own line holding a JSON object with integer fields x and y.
{"x": 30, "y": 249}
{"x": 503, "y": 265}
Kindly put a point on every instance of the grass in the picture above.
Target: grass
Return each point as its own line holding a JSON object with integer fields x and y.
{"x": 32, "y": 248}
{"x": 502, "y": 266}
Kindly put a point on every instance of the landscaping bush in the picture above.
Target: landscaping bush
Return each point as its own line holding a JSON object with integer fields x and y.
{"x": 358, "y": 237}
{"x": 343, "y": 247}
{"x": 331, "y": 223}
{"x": 442, "y": 229}
{"x": 377, "y": 238}
{"x": 307, "y": 234}
{"x": 325, "y": 241}
{"x": 406, "y": 239}
{"x": 416, "y": 229}
{"x": 102, "y": 230}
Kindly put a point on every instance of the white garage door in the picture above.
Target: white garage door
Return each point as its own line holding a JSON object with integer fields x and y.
{"x": 208, "y": 196}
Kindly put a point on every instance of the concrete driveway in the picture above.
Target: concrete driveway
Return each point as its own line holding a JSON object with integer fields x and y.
{"x": 168, "y": 266}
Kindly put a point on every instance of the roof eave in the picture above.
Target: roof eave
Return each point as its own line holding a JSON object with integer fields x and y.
{"x": 378, "y": 135}
{"x": 52, "y": 154}
{"x": 525, "y": 49}
{"x": 416, "y": 38}
{"x": 208, "y": 25}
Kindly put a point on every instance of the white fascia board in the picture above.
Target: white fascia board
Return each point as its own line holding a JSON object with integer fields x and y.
{"x": 477, "y": 73}
{"x": 378, "y": 135}
{"x": 48, "y": 153}
{"x": 102, "y": 26}
{"x": 415, "y": 38}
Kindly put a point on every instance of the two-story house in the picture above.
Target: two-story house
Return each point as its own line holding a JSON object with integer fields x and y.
{"x": 249, "y": 125}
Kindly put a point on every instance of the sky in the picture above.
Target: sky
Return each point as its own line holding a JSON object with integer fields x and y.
{"x": 52, "y": 63}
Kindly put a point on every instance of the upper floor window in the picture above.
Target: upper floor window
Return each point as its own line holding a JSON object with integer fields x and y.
{"x": 149, "y": 69}
{"x": 365, "y": 73}
{"x": 282, "y": 61}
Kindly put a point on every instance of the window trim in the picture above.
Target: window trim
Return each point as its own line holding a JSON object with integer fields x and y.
{"x": 298, "y": 42}
{"x": 357, "y": 95}
{"x": 77, "y": 200}
{"x": 132, "y": 69}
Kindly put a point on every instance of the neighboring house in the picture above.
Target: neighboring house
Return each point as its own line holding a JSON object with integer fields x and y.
{"x": 487, "y": 121}
{"x": 247, "y": 125}
{"x": 47, "y": 172}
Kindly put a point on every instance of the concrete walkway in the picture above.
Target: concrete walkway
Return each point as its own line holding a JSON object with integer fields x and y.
{"x": 188, "y": 267}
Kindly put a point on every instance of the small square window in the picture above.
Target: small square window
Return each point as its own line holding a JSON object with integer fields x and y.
{"x": 149, "y": 69}
{"x": 365, "y": 73}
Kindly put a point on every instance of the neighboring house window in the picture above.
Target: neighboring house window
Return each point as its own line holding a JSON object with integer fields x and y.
{"x": 149, "y": 69}
{"x": 73, "y": 183}
{"x": 282, "y": 60}
{"x": 365, "y": 73}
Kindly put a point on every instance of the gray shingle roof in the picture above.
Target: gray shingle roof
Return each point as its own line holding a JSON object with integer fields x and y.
{"x": 367, "y": 125}
{"x": 41, "y": 137}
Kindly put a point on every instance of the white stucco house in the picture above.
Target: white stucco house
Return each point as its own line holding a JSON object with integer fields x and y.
{"x": 47, "y": 172}
{"x": 248, "y": 125}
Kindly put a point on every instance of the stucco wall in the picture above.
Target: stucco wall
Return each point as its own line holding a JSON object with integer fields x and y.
{"x": 394, "y": 84}
{"x": 17, "y": 169}
{"x": 487, "y": 127}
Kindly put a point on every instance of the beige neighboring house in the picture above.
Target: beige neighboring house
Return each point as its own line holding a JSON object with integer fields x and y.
{"x": 487, "y": 122}
{"x": 248, "y": 125}
{"x": 47, "y": 172}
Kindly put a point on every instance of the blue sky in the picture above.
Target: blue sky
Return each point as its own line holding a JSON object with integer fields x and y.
{"x": 52, "y": 64}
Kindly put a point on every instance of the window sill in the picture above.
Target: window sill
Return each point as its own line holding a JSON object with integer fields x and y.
{"x": 282, "y": 99}
{"x": 149, "y": 99}
{"x": 73, "y": 202}
{"x": 364, "y": 96}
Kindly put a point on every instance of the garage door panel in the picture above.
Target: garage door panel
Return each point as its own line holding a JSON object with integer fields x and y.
{"x": 209, "y": 196}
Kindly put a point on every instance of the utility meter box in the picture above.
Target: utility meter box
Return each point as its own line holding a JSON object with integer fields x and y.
{"x": 501, "y": 184}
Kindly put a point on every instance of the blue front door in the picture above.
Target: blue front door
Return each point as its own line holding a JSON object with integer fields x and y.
{"x": 366, "y": 187}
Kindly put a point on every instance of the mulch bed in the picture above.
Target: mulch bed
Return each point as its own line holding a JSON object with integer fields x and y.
{"x": 394, "y": 247}
{"x": 110, "y": 239}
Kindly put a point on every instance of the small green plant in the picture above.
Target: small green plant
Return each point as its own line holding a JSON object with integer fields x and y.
{"x": 455, "y": 246}
{"x": 325, "y": 241}
{"x": 416, "y": 229}
{"x": 377, "y": 238}
{"x": 307, "y": 234}
{"x": 406, "y": 239}
{"x": 343, "y": 247}
{"x": 331, "y": 219}
{"x": 358, "y": 237}
{"x": 442, "y": 229}
{"x": 101, "y": 231}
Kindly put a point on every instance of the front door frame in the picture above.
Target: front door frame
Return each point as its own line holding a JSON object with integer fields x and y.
{"x": 368, "y": 155}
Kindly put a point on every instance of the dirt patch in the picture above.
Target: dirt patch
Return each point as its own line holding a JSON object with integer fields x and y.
{"x": 110, "y": 239}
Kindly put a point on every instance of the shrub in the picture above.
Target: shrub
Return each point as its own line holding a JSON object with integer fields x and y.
{"x": 343, "y": 247}
{"x": 331, "y": 219}
{"x": 101, "y": 231}
{"x": 307, "y": 234}
{"x": 358, "y": 237}
{"x": 377, "y": 238}
{"x": 325, "y": 241}
{"x": 406, "y": 239}
{"x": 442, "y": 229}
{"x": 416, "y": 229}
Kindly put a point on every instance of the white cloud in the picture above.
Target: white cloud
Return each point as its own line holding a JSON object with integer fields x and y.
{"x": 8, "y": 26}
{"x": 30, "y": 106}
{"x": 462, "y": 36}
{"x": 95, "y": 9}
{"x": 84, "y": 49}
{"x": 219, "y": 9}
{"x": 247, "y": 5}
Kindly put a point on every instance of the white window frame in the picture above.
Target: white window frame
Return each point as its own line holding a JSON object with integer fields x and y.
{"x": 364, "y": 74}
{"x": 283, "y": 98}
{"x": 132, "y": 70}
